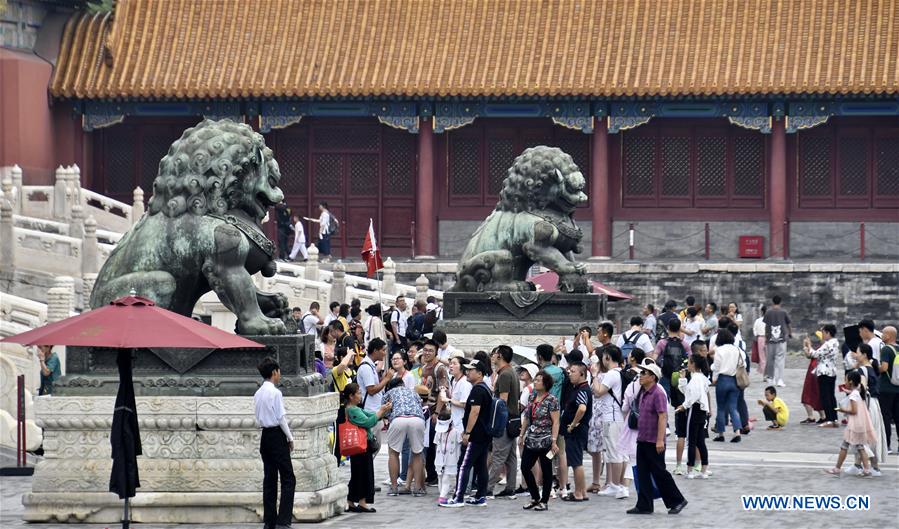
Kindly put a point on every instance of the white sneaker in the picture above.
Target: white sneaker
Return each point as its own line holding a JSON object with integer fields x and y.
{"x": 780, "y": 383}
{"x": 679, "y": 470}
{"x": 876, "y": 473}
{"x": 852, "y": 471}
{"x": 621, "y": 492}
{"x": 691, "y": 474}
{"x": 768, "y": 380}
{"x": 386, "y": 482}
{"x": 611, "y": 490}
{"x": 891, "y": 452}
{"x": 705, "y": 475}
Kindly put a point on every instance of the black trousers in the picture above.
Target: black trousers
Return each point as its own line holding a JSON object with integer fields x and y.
{"x": 696, "y": 434}
{"x": 430, "y": 468}
{"x": 283, "y": 248}
{"x": 362, "y": 478}
{"x": 528, "y": 458}
{"x": 651, "y": 466}
{"x": 474, "y": 461}
{"x": 889, "y": 409}
{"x": 276, "y": 462}
{"x": 826, "y": 394}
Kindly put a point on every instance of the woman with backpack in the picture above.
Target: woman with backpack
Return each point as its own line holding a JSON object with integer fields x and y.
{"x": 724, "y": 376}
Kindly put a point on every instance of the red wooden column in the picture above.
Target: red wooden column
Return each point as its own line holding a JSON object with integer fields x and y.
{"x": 777, "y": 190}
{"x": 425, "y": 214}
{"x": 599, "y": 191}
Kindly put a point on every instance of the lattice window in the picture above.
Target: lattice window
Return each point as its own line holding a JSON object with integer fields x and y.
{"x": 749, "y": 165}
{"x": 814, "y": 163}
{"x": 675, "y": 166}
{"x": 853, "y": 168}
{"x": 153, "y": 149}
{"x": 887, "y": 169}
{"x": 328, "y": 179}
{"x": 363, "y": 175}
{"x": 400, "y": 163}
{"x": 711, "y": 166}
{"x": 639, "y": 165}
{"x": 464, "y": 166}
{"x": 119, "y": 155}
{"x": 347, "y": 139}
{"x": 500, "y": 155}
{"x": 579, "y": 149}
{"x": 292, "y": 161}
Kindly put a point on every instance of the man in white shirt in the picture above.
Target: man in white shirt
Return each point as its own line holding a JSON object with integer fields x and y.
{"x": 635, "y": 336}
{"x": 444, "y": 349}
{"x": 866, "y": 329}
{"x": 324, "y": 230}
{"x": 312, "y": 322}
{"x": 370, "y": 383}
{"x": 299, "y": 240}
{"x": 275, "y": 446}
{"x": 649, "y": 322}
{"x": 333, "y": 313}
{"x": 398, "y": 324}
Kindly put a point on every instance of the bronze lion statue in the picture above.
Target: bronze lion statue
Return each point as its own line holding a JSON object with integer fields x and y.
{"x": 202, "y": 230}
{"x": 533, "y": 223}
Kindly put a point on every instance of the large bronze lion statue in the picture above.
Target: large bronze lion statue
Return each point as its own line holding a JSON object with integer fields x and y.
{"x": 533, "y": 223}
{"x": 202, "y": 230}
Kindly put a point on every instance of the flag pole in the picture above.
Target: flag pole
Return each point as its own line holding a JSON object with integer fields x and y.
{"x": 377, "y": 270}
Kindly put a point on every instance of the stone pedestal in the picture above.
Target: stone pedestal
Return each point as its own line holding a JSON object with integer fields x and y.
{"x": 200, "y": 461}
{"x": 482, "y": 320}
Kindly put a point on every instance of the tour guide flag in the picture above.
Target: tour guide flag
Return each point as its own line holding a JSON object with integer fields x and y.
{"x": 371, "y": 254}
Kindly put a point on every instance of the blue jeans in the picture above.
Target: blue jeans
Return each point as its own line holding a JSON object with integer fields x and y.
{"x": 404, "y": 460}
{"x": 726, "y": 395}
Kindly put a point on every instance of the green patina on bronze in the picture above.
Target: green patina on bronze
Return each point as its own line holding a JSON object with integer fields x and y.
{"x": 203, "y": 230}
{"x": 533, "y": 223}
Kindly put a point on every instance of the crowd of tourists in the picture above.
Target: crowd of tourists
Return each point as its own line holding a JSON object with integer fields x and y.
{"x": 467, "y": 425}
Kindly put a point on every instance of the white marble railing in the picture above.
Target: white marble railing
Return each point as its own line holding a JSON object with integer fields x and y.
{"x": 39, "y": 224}
{"x": 21, "y": 311}
{"x": 363, "y": 286}
{"x": 46, "y": 252}
{"x": 111, "y": 214}
{"x": 37, "y": 201}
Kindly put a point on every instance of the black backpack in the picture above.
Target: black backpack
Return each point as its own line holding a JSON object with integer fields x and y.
{"x": 414, "y": 331}
{"x": 431, "y": 318}
{"x": 333, "y": 224}
{"x": 673, "y": 356}
{"x": 661, "y": 329}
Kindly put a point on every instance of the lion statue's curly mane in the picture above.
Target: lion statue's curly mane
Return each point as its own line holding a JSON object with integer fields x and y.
{"x": 532, "y": 223}
{"x": 204, "y": 170}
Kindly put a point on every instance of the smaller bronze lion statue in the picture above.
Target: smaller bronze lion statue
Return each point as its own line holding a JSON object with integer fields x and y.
{"x": 533, "y": 223}
{"x": 203, "y": 230}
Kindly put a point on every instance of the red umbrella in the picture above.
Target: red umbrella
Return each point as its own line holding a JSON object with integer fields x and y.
{"x": 128, "y": 323}
{"x": 132, "y": 322}
{"x": 549, "y": 281}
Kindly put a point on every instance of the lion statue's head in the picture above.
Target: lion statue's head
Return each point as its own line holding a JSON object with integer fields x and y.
{"x": 215, "y": 167}
{"x": 540, "y": 178}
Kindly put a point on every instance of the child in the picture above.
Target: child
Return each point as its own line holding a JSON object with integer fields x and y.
{"x": 448, "y": 441}
{"x": 859, "y": 430}
{"x": 696, "y": 407}
{"x": 775, "y": 409}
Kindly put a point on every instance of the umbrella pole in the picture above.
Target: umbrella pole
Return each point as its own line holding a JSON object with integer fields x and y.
{"x": 126, "y": 518}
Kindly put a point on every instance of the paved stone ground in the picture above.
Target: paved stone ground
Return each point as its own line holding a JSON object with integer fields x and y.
{"x": 780, "y": 462}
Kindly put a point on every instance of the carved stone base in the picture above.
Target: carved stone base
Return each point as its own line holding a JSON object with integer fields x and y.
{"x": 200, "y": 461}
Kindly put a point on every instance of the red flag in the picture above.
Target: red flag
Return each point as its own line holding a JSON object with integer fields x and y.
{"x": 371, "y": 254}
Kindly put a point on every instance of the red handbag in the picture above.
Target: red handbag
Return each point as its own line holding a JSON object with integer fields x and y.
{"x": 755, "y": 351}
{"x": 353, "y": 439}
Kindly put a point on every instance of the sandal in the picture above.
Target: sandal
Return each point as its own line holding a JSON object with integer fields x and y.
{"x": 594, "y": 488}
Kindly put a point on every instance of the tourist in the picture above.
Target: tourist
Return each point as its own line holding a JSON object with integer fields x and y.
{"x": 312, "y": 322}
{"x": 275, "y": 446}
{"x": 327, "y": 344}
{"x": 633, "y": 338}
{"x": 282, "y": 219}
{"x": 343, "y": 340}
{"x": 545, "y": 357}
{"x": 777, "y": 330}
{"x": 374, "y": 324}
{"x": 444, "y": 349}
{"x": 688, "y": 302}
{"x": 448, "y": 439}
{"x": 540, "y": 424}
{"x": 859, "y": 430}
{"x": 670, "y": 353}
{"x": 415, "y": 323}
{"x": 576, "y": 415}
{"x": 649, "y": 321}
{"x": 333, "y": 312}
{"x": 343, "y": 314}
{"x": 526, "y": 374}
{"x": 475, "y": 439}
{"x": 398, "y": 325}
{"x": 358, "y": 334}
{"x": 724, "y": 370}
{"x": 371, "y": 383}
{"x": 340, "y": 375}
{"x": 760, "y": 352}
{"x": 710, "y": 326}
{"x": 774, "y": 409}
{"x": 610, "y": 393}
{"x": 826, "y": 371}
{"x": 694, "y": 384}
{"x": 733, "y": 312}
{"x": 653, "y": 412}
{"x": 868, "y": 334}
{"x": 299, "y": 240}
{"x": 889, "y": 383}
{"x": 604, "y": 333}
{"x": 811, "y": 395}
{"x": 692, "y": 326}
{"x": 294, "y": 324}
{"x": 666, "y": 316}
{"x": 324, "y": 230}
{"x": 406, "y": 425}
{"x": 361, "y": 488}
{"x": 399, "y": 361}
{"x": 434, "y": 377}
{"x": 504, "y": 455}
{"x": 627, "y": 440}
{"x": 594, "y": 435}
{"x": 870, "y": 381}
{"x": 460, "y": 388}
{"x": 51, "y": 369}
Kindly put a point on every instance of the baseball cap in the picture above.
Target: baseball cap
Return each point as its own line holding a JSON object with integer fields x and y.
{"x": 650, "y": 366}
{"x": 476, "y": 364}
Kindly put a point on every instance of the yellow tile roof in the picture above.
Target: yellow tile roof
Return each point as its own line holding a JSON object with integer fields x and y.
{"x": 602, "y": 48}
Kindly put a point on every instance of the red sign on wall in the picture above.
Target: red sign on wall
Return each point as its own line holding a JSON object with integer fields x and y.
{"x": 752, "y": 246}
